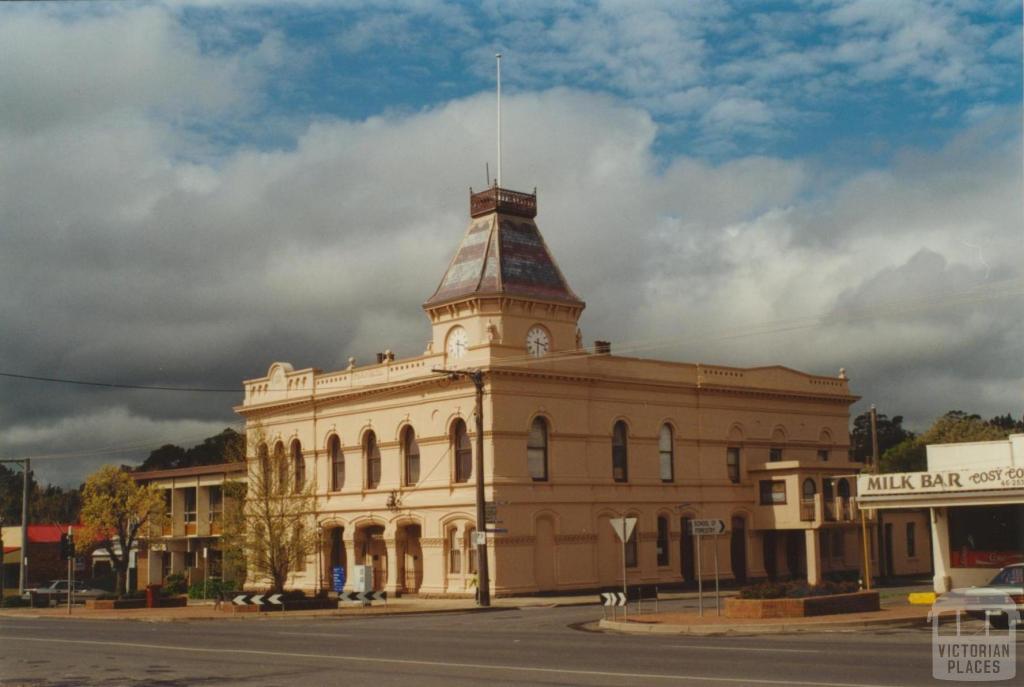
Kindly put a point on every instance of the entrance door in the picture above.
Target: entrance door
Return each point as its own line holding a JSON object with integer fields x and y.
{"x": 412, "y": 560}
{"x": 770, "y": 549}
{"x": 375, "y": 553}
{"x": 738, "y": 549}
{"x": 794, "y": 549}
{"x": 609, "y": 555}
{"x": 686, "y": 552}
{"x": 887, "y": 558}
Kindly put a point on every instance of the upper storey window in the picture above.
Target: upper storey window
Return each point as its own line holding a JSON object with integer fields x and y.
{"x": 337, "y": 459}
{"x": 666, "y": 453}
{"x": 372, "y": 451}
{"x": 537, "y": 450}
{"x": 463, "y": 452}
{"x": 732, "y": 463}
{"x": 620, "y": 458}
{"x": 299, "y": 463}
{"x": 775, "y": 454}
{"x": 411, "y": 451}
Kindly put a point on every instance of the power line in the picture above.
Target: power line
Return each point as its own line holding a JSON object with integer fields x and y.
{"x": 110, "y": 385}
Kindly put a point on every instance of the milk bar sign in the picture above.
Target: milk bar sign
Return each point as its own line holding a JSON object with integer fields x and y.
{"x": 944, "y": 481}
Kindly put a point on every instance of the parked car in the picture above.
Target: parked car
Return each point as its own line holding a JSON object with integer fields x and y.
{"x": 58, "y": 590}
{"x": 999, "y": 600}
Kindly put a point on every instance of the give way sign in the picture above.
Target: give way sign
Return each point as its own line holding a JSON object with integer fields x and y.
{"x": 623, "y": 527}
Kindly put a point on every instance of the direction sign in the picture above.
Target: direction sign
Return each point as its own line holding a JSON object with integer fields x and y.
{"x": 364, "y": 596}
{"x": 707, "y": 527}
{"x": 613, "y": 599}
{"x": 245, "y": 599}
{"x": 623, "y": 527}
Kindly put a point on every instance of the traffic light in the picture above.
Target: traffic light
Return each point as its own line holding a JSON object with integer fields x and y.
{"x": 67, "y": 547}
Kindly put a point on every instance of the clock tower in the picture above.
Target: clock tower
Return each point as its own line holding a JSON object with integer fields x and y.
{"x": 503, "y": 295}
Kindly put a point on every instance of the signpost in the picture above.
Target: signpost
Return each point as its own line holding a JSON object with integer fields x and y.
{"x": 699, "y": 528}
{"x": 624, "y": 529}
{"x": 338, "y": 578}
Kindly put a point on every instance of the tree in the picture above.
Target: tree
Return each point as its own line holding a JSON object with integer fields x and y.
{"x": 890, "y": 433}
{"x": 115, "y": 508}
{"x": 909, "y": 455}
{"x": 211, "y": 451}
{"x": 273, "y": 523}
{"x": 955, "y": 427}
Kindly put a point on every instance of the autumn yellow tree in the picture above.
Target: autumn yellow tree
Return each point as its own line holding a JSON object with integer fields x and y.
{"x": 115, "y": 509}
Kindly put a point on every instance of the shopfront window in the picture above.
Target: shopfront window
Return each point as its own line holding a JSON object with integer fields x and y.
{"x": 986, "y": 536}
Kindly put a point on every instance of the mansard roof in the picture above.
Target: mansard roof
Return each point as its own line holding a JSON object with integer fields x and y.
{"x": 503, "y": 254}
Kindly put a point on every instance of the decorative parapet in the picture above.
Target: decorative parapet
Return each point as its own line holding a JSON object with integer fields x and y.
{"x": 497, "y": 199}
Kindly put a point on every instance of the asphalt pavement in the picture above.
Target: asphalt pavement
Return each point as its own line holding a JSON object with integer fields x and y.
{"x": 531, "y": 646}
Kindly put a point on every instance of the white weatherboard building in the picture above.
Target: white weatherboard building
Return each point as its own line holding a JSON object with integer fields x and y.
{"x": 975, "y": 494}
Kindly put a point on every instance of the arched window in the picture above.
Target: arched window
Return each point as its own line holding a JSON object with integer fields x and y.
{"x": 537, "y": 450}
{"x": 843, "y": 487}
{"x": 809, "y": 489}
{"x": 471, "y": 550}
{"x": 337, "y": 463}
{"x": 411, "y": 452}
{"x": 662, "y": 542}
{"x": 454, "y": 552}
{"x": 372, "y": 453}
{"x": 620, "y": 468}
{"x": 299, "y": 463}
{"x": 263, "y": 456}
{"x": 665, "y": 454}
{"x": 463, "y": 452}
{"x": 282, "y": 466}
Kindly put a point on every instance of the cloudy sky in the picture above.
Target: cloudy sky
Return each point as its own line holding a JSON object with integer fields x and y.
{"x": 189, "y": 191}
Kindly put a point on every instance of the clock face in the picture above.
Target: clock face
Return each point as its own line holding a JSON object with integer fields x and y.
{"x": 458, "y": 342}
{"x": 537, "y": 342}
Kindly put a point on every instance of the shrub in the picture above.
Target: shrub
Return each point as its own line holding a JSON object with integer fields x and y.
{"x": 795, "y": 590}
{"x": 210, "y": 590}
{"x": 174, "y": 584}
{"x": 14, "y": 602}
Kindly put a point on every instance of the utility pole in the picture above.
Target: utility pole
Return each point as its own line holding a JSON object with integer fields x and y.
{"x": 3, "y": 567}
{"x": 23, "y": 560}
{"x": 883, "y": 565}
{"x": 23, "y": 576}
{"x": 483, "y": 584}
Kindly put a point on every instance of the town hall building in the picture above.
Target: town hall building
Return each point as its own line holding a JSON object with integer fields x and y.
{"x": 573, "y": 436}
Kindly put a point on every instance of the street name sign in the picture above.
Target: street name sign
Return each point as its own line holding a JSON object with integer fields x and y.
{"x": 706, "y": 527}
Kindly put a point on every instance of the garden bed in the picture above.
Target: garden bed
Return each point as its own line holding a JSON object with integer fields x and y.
{"x": 832, "y": 604}
{"x": 121, "y": 604}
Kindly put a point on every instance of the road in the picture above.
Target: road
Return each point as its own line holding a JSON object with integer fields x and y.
{"x": 537, "y": 646}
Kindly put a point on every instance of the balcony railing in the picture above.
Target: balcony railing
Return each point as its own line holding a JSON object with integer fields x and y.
{"x": 807, "y": 510}
{"x": 497, "y": 199}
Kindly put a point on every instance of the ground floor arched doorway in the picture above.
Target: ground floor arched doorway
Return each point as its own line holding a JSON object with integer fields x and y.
{"x": 686, "y": 551}
{"x": 411, "y": 574}
{"x": 738, "y": 548}
{"x": 372, "y": 550}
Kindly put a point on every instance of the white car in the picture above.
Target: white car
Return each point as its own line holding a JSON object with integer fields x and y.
{"x": 58, "y": 590}
{"x": 999, "y": 600}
